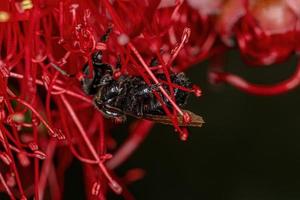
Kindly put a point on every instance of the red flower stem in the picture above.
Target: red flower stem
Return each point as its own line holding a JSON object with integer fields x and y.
{"x": 112, "y": 183}
{"x": 168, "y": 82}
{"x": 81, "y": 158}
{"x": 156, "y": 68}
{"x": 131, "y": 144}
{"x": 185, "y": 36}
{"x": 102, "y": 140}
{"x": 10, "y": 194}
{"x": 27, "y": 52}
{"x": 45, "y": 169}
{"x": 10, "y": 51}
{"x": 48, "y": 97}
{"x": 94, "y": 125}
{"x": 16, "y": 149}
{"x": 126, "y": 193}
{"x": 69, "y": 137}
{"x": 257, "y": 89}
{"x": 15, "y": 132}
{"x": 53, "y": 183}
{"x": 13, "y": 148}
{"x": 8, "y": 134}
{"x": 206, "y": 48}
{"x": 36, "y": 113}
{"x": 32, "y": 155}
{"x": 61, "y": 19}
{"x": 13, "y": 164}
{"x": 119, "y": 25}
{"x": 178, "y": 86}
{"x": 71, "y": 93}
{"x": 36, "y": 164}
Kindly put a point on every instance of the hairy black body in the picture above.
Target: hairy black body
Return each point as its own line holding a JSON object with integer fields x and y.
{"x": 129, "y": 95}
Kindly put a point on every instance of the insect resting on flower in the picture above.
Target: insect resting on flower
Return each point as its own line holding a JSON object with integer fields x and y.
{"x": 131, "y": 95}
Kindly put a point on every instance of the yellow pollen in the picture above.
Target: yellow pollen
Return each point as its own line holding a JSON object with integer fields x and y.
{"x": 4, "y": 16}
{"x": 26, "y": 4}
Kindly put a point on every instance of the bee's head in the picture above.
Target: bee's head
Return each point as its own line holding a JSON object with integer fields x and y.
{"x": 97, "y": 58}
{"x": 90, "y": 84}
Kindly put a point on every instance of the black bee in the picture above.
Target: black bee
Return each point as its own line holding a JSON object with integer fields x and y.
{"x": 130, "y": 95}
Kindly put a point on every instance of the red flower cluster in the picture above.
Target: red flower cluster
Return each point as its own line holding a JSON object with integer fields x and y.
{"x": 43, "y": 110}
{"x": 265, "y": 32}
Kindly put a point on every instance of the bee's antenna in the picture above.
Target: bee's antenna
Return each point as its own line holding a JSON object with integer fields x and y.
{"x": 106, "y": 34}
{"x": 63, "y": 72}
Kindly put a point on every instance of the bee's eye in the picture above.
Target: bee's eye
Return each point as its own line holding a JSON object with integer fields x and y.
{"x": 97, "y": 58}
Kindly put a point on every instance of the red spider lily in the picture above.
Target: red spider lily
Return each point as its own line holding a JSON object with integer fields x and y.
{"x": 266, "y": 33}
{"x": 42, "y": 110}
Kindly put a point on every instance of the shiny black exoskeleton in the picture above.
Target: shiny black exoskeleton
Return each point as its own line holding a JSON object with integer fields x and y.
{"x": 128, "y": 94}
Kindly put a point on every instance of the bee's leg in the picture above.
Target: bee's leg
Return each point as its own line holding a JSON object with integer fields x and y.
{"x": 120, "y": 100}
{"x": 108, "y": 109}
{"x": 105, "y": 80}
{"x": 143, "y": 95}
{"x": 155, "y": 87}
{"x": 140, "y": 108}
{"x": 113, "y": 113}
{"x": 155, "y": 107}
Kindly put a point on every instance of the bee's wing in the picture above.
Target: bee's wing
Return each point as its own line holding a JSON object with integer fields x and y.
{"x": 196, "y": 120}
